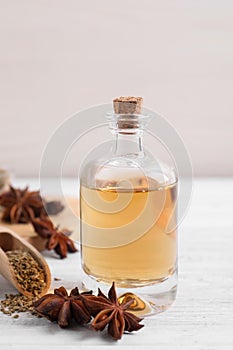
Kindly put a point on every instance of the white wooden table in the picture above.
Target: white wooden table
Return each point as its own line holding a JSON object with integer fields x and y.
{"x": 201, "y": 318}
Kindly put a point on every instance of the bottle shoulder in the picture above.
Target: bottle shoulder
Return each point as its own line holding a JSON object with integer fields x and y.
{"x": 127, "y": 173}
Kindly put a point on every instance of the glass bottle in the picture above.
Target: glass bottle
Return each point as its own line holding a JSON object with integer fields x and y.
{"x": 128, "y": 216}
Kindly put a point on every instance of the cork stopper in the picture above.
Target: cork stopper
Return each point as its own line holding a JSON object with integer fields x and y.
{"x": 128, "y": 105}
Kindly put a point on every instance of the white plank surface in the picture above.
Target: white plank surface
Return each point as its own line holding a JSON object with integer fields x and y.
{"x": 201, "y": 318}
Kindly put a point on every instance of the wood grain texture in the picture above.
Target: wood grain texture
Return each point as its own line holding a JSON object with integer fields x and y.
{"x": 202, "y": 316}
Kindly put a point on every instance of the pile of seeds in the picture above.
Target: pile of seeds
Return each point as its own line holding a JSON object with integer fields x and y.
{"x": 13, "y": 304}
{"x": 28, "y": 272}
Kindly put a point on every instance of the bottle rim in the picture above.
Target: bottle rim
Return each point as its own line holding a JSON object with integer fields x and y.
{"x": 128, "y": 122}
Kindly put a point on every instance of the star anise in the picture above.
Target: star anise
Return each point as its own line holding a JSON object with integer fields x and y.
{"x": 62, "y": 307}
{"x": 57, "y": 239}
{"x": 108, "y": 311}
{"x": 21, "y": 205}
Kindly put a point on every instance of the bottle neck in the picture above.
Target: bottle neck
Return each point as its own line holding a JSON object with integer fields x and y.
{"x": 128, "y": 130}
{"x": 128, "y": 144}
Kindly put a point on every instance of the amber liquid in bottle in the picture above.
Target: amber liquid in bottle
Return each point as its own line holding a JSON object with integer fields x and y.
{"x": 129, "y": 236}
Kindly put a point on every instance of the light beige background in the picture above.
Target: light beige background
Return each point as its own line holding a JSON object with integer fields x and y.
{"x": 57, "y": 57}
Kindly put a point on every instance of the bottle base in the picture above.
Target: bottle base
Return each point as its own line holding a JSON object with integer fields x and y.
{"x": 149, "y": 299}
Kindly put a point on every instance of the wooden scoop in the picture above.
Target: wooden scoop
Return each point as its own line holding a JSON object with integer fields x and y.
{"x": 9, "y": 240}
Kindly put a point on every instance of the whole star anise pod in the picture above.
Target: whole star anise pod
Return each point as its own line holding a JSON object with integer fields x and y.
{"x": 62, "y": 307}
{"x": 21, "y": 205}
{"x": 57, "y": 239}
{"x": 108, "y": 311}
